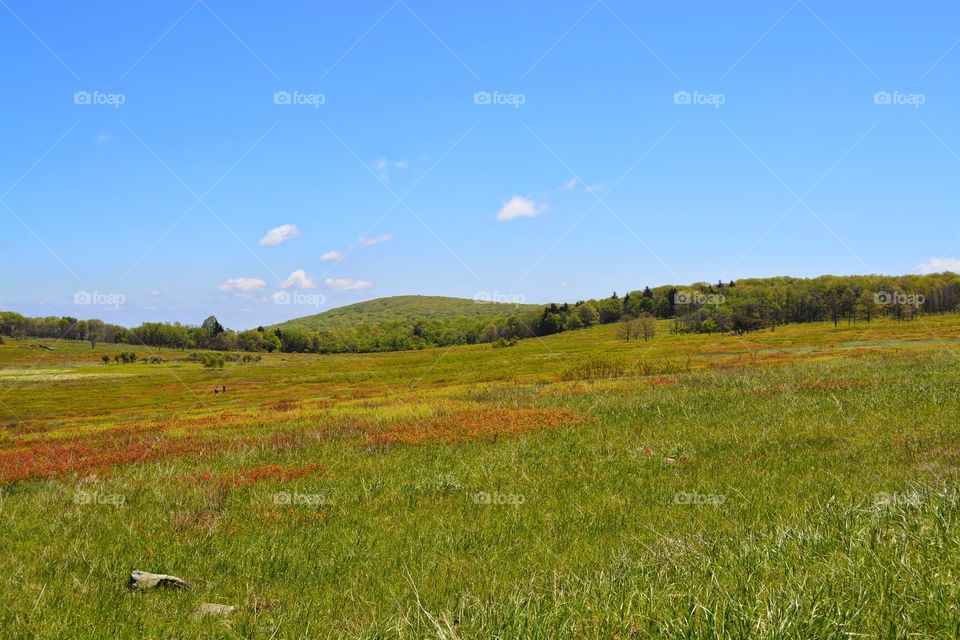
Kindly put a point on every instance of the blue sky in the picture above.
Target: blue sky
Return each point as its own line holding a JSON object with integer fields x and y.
{"x": 544, "y": 151}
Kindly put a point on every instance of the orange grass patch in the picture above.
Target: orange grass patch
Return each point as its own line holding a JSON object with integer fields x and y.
{"x": 482, "y": 423}
{"x": 249, "y": 477}
{"x": 49, "y": 459}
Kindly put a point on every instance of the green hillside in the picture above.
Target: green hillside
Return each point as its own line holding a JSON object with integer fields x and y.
{"x": 382, "y": 310}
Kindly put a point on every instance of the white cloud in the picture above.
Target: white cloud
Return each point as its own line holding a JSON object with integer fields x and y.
{"x": 103, "y": 137}
{"x": 347, "y": 283}
{"x": 383, "y": 167}
{"x": 520, "y": 207}
{"x": 569, "y": 184}
{"x": 332, "y": 256}
{"x": 596, "y": 189}
{"x": 278, "y": 235}
{"x": 242, "y": 284}
{"x": 367, "y": 242}
{"x": 383, "y": 163}
{"x": 298, "y": 280}
{"x": 937, "y": 265}
{"x": 154, "y": 293}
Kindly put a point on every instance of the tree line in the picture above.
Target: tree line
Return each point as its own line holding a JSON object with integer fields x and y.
{"x": 733, "y": 307}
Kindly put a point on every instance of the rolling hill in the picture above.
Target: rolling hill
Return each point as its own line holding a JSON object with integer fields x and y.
{"x": 408, "y": 308}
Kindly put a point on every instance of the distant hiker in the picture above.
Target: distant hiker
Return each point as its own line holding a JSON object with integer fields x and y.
{"x": 224, "y": 388}
{"x": 216, "y": 390}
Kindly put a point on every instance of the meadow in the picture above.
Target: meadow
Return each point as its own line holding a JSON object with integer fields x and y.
{"x": 794, "y": 483}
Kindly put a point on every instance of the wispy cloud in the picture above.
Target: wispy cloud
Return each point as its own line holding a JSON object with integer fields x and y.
{"x": 520, "y": 207}
{"x": 242, "y": 284}
{"x": 332, "y": 256}
{"x": 364, "y": 241}
{"x": 383, "y": 163}
{"x": 597, "y": 189}
{"x": 298, "y": 280}
{"x": 938, "y": 265}
{"x": 346, "y": 284}
{"x": 279, "y": 235}
{"x": 569, "y": 184}
{"x": 383, "y": 167}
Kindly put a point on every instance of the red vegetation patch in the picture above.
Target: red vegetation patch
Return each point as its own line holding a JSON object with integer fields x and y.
{"x": 249, "y": 477}
{"x": 474, "y": 424}
{"x": 54, "y": 458}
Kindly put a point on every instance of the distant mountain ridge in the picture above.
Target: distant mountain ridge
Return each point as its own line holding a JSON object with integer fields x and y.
{"x": 403, "y": 308}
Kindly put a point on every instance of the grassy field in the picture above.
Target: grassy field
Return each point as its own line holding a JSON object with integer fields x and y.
{"x": 797, "y": 483}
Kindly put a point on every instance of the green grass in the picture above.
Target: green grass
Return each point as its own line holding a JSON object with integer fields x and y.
{"x": 800, "y": 483}
{"x": 404, "y": 308}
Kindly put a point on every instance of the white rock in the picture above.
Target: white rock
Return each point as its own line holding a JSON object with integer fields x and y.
{"x": 147, "y": 580}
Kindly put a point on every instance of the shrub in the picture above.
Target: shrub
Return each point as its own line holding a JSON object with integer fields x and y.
{"x": 211, "y": 361}
{"x": 105, "y": 358}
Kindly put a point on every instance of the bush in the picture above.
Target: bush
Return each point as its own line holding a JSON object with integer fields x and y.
{"x": 105, "y": 358}
{"x": 126, "y": 357}
{"x": 595, "y": 367}
{"x": 211, "y": 361}
{"x": 503, "y": 342}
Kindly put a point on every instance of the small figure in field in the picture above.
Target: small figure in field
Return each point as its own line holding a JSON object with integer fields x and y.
{"x": 224, "y": 388}
{"x": 216, "y": 390}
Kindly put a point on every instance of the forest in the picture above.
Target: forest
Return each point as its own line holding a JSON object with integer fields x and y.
{"x": 733, "y": 307}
